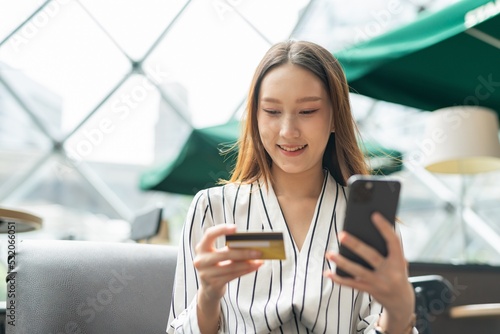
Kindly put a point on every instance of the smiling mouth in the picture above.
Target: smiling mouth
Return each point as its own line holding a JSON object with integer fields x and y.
{"x": 292, "y": 148}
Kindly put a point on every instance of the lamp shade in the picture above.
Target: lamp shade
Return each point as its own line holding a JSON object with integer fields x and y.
{"x": 462, "y": 140}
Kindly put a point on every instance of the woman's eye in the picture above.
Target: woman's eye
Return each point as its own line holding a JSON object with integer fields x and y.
{"x": 308, "y": 112}
{"x": 271, "y": 111}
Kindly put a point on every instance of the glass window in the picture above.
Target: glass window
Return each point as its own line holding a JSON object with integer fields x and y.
{"x": 134, "y": 25}
{"x": 68, "y": 56}
{"x": 214, "y": 68}
{"x": 93, "y": 93}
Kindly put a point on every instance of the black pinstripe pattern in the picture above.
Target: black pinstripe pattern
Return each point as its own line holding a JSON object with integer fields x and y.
{"x": 249, "y": 206}
{"x": 275, "y": 298}
{"x": 223, "y": 204}
{"x": 251, "y": 303}
{"x": 223, "y": 200}
{"x": 338, "y": 308}
{"x": 294, "y": 274}
{"x": 267, "y": 303}
{"x": 191, "y": 247}
{"x": 326, "y": 264}
{"x": 234, "y": 204}
{"x": 311, "y": 243}
{"x": 210, "y": 204}
{"x": 239, "y": 308}
{"x": 265, "y": 208}
{"x": 232, "y": 306}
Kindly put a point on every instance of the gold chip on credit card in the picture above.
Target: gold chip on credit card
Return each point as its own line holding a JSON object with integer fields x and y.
{"x": 269, "y": 243}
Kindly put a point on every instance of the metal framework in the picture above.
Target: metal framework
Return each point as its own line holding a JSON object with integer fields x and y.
{"x": 15, "y": 185}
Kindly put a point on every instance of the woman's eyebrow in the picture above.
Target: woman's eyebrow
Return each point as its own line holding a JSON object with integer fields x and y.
{"x": 308, "y": 99}
{"x": 302, "y": 99}
{"x": 270, "y": 99}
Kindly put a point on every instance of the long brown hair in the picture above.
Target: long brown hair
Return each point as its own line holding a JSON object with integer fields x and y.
{"x": 342, "y": 156}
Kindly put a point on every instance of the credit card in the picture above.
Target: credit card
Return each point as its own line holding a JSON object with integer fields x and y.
{"x": 269, "y": 243}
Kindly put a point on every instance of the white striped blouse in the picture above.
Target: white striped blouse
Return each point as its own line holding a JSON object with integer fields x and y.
{"x": 283, "y": 296}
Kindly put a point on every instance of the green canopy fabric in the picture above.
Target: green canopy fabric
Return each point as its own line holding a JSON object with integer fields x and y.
{"x": 451, "y": 57}
{"x": 200, "y": 164}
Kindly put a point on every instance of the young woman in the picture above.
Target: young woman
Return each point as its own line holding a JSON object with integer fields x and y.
{"x": 297, "y": 149}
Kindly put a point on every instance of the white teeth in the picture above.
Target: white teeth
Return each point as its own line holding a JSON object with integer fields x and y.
{"x": 292, "y": 149}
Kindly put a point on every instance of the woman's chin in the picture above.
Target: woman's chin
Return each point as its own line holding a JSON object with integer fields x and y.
{"x": 294, "y": 169}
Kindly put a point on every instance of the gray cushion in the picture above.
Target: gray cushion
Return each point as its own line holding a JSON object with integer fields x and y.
{"x": 91, "y": 287}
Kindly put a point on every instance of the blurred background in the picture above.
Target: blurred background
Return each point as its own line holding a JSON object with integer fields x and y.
{"x": 93, "y": 94}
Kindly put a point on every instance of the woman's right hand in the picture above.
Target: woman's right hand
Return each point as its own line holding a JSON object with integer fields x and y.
{"x": 217, "y": 267}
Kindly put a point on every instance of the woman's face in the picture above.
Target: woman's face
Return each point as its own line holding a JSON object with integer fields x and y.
{"x": 294, "y": 118}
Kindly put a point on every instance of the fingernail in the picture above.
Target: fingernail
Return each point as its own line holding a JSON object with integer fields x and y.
{"x": 332, "y": 256}
{"x": 376, "y": 217}
{"x": 255, "y": 254}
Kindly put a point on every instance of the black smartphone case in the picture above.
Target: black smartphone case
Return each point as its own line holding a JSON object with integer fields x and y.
{"x": 367, "y": 194}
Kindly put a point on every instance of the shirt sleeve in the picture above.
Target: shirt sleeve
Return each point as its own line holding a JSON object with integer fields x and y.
{"x": 369, "y": 314}
{"x": 183, "y": 317}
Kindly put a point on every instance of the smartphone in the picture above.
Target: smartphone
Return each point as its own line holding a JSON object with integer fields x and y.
{"x": 367, "y": 194}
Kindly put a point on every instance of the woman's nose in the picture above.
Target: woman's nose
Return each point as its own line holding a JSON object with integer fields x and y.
{"x": 289, "y": 127}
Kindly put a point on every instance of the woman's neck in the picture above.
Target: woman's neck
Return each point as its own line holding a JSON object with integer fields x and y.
{"x": 307, "y": 184}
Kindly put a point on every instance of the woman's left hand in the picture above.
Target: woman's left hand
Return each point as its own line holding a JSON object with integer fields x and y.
{"x": 388, "y": 281}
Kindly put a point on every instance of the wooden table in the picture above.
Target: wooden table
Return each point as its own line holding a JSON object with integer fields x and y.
{"x": 23, "y": 221}
{"x": 475, "y": 310}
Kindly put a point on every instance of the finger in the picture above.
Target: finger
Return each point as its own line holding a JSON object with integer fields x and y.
{"x": 366, "y": 252}
{"x": 236, "y": 274}
{"x": 230, "y": 268}
{"x": 209, "y": 259}
{"x": 211, "y": 234}
{"x": 213, "y": 282}
{"x": 347, "y": 281}
{"x": 222, "y": 274}
{"x": 240, "y": 254}
{"x": 356, "y": 270}
{"x": 387, "y": 231}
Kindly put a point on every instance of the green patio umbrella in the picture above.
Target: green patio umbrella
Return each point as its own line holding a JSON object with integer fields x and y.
{"x": 200, "y": 164}
{"x": 451, "y": 57}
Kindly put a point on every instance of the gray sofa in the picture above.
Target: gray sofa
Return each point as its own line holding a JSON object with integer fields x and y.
{"x": 89, "y": 287}
{"x": 84, "y": 287}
